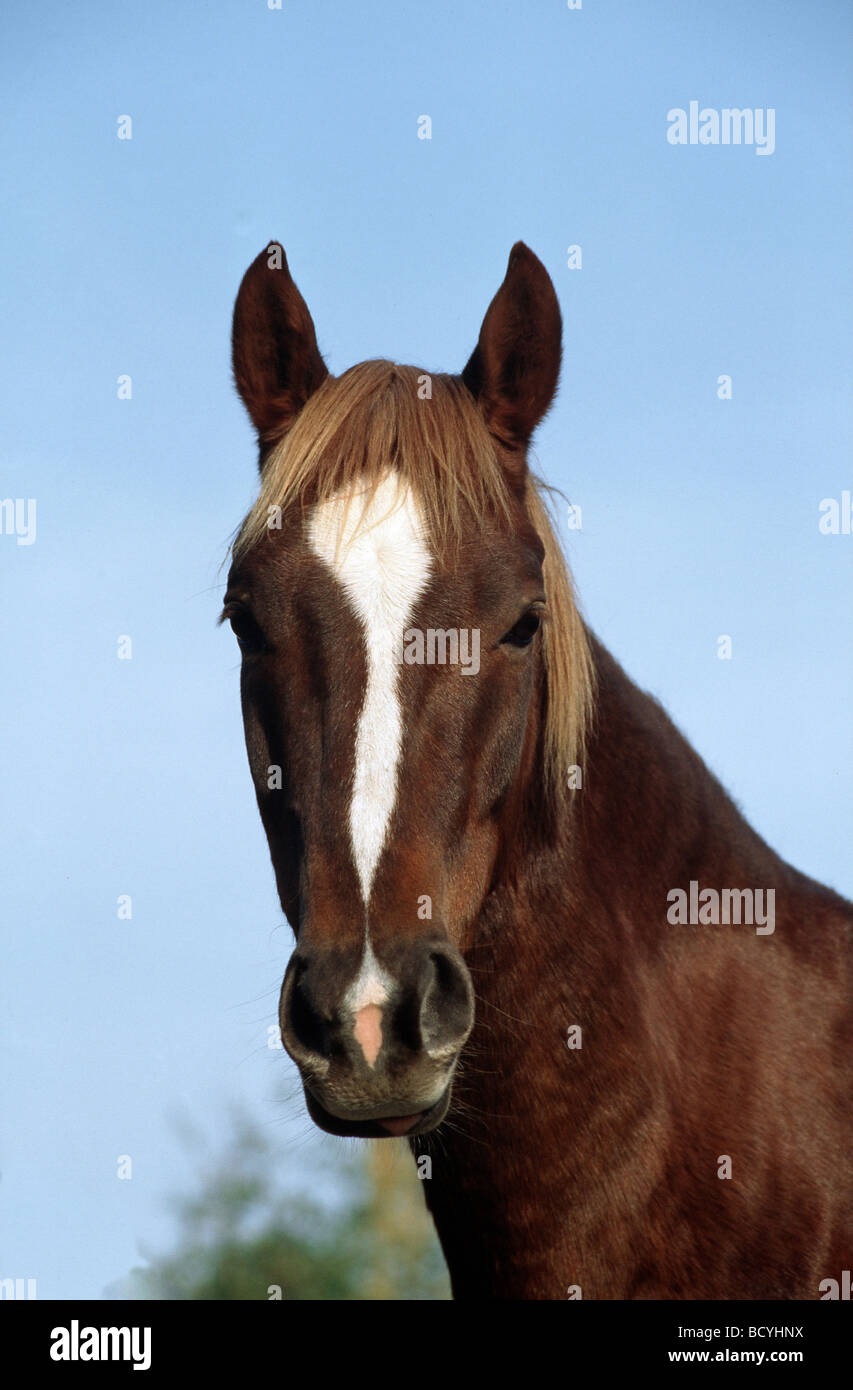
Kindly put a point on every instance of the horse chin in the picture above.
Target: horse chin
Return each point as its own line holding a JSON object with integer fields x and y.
{"x": 352, "y": 1128}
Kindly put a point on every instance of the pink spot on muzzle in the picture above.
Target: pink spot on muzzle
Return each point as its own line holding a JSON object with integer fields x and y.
{"x": 368, "y": 1032}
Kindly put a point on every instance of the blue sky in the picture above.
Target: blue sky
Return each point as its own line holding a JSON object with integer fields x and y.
{"x": 700, "y": 516}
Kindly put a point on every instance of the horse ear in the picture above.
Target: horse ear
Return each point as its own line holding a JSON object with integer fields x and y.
{"x": 513, "y": 370}
{"x": 277, "y": 364}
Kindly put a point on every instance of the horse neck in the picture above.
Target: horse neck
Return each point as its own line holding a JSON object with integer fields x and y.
{"x": 567, "y": 939}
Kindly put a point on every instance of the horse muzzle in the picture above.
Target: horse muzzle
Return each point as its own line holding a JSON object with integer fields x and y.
{"x": 377, "y": 1052}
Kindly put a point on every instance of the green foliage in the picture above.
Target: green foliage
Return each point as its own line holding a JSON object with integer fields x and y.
{"x": 241, "y": 1237}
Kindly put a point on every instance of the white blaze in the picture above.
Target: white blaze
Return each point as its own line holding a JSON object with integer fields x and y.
{"x": 371, "y": 986}
{"x": 383, "y": 563}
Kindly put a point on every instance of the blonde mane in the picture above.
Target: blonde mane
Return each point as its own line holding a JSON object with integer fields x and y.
{"x": 378, "y": 416}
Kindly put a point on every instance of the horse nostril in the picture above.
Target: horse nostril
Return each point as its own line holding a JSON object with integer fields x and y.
{"x": 447, "y": 1007}
{"x": 306, "y": 1026}
{"x": 304, "y": 1031}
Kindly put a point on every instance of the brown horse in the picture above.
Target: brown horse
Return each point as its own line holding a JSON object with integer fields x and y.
{"x": 530, "y": 923}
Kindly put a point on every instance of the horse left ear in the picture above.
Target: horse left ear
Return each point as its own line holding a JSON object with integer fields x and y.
{"x": 277, "y": 364}
{"x": 513, "y": 370}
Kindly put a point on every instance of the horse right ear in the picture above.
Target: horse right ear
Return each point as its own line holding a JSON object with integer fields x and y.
{"x": 277, "y": 364}
{"x": 513, "y": 370}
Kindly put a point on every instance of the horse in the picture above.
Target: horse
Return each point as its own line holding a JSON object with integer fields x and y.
{"x": 533, "y": 934}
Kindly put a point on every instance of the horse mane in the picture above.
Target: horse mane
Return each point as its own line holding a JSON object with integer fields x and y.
{"x": 377, "y": 416}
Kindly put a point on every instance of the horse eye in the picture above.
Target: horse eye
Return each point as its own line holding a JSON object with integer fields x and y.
{"x": 249, "y": 636}
{"x": 524, "y": 631}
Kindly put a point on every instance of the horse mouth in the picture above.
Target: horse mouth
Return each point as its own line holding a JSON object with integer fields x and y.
{"x": 382, "y": 1127}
